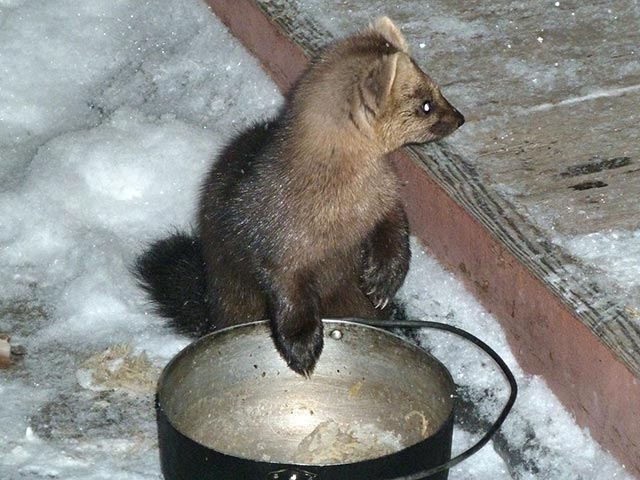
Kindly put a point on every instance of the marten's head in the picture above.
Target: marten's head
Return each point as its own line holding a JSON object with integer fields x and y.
{"x": 369, "y": 81}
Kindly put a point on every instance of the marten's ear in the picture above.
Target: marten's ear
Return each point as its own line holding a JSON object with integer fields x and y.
{"x": 392, "y": 34}
{"x": 376, "y": 85}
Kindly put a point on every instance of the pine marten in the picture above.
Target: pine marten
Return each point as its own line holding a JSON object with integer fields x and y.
{"x": 300, "y": 216}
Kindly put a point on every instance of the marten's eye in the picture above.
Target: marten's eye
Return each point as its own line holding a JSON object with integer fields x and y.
{"x": 426, "y": 107}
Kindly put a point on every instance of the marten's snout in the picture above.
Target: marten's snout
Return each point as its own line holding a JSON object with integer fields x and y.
{"x": 448, "y": 122}
{"x": 459, "y": 117}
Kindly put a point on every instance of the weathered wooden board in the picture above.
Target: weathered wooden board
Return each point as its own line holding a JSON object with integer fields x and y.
{"x": 577, "y": 165}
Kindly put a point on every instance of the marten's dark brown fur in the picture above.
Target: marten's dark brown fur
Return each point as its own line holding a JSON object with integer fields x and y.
{"x": 300, "y": 216}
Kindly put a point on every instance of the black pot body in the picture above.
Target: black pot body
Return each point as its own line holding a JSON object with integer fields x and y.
{"x": 184, "y": 459}
{"x": 209, "y": 393}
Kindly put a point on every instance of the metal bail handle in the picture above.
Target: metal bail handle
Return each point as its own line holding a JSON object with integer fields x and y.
{"x": 386, "y": 324}
{"x": 292, "y": 475}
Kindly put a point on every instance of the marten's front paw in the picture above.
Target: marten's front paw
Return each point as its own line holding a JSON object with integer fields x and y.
{"x": 378, "y": 284}
{"x": 301, "y": 347}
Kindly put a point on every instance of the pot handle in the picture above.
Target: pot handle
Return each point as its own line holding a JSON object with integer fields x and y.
{"x": 292, "y": 475}
{"x": 386, "y": 324}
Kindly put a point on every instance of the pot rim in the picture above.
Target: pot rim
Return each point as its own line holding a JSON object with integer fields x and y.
{"x": 446, "y": 424}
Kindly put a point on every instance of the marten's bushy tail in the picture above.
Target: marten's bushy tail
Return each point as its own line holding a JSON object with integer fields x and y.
{"x": 172, "y": 272}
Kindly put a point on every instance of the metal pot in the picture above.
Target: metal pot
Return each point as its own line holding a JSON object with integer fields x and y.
{"x": 376, "y": 407}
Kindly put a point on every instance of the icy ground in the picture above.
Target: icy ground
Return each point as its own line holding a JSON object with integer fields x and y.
{"x": 614, "y": 256}
{"x": 109, "y": 114}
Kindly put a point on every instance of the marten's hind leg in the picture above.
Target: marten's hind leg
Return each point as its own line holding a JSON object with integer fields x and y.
{"x": 234, "y": 297}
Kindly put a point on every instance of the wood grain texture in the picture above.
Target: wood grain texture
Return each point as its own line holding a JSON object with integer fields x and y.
{"x": 576, "y": 164}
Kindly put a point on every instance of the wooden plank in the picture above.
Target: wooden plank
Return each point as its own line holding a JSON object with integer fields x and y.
{"x": 582, "y": 178}
{"x": 560, "y": 322}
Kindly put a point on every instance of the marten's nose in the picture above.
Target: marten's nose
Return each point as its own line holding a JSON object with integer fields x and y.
{"x": 459, "y": 117}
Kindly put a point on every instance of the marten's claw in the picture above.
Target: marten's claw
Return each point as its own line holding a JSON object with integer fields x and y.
{"x": 380, "y": 286}
{"x": 303, "y": 361}
{"x": 382, "y": 303}
{"x": 301, "y": 349}
{"x": 378, "y": 298}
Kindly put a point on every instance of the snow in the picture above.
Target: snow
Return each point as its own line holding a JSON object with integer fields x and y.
{"x": 614, "y": 257}
{"x": 619, "y": 249}
{"x": 613, "y": 92}
{"x": 109, "y": 115}
{"x": 539, "y": 431}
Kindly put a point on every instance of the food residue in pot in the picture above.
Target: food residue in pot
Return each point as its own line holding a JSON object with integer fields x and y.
{"x": 332, "y": 442}
{"x": 354, "y": 391}
{"x": 423, "y": 422}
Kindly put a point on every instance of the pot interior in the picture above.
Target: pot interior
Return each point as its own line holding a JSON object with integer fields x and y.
{"x": 371, "y": 394}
